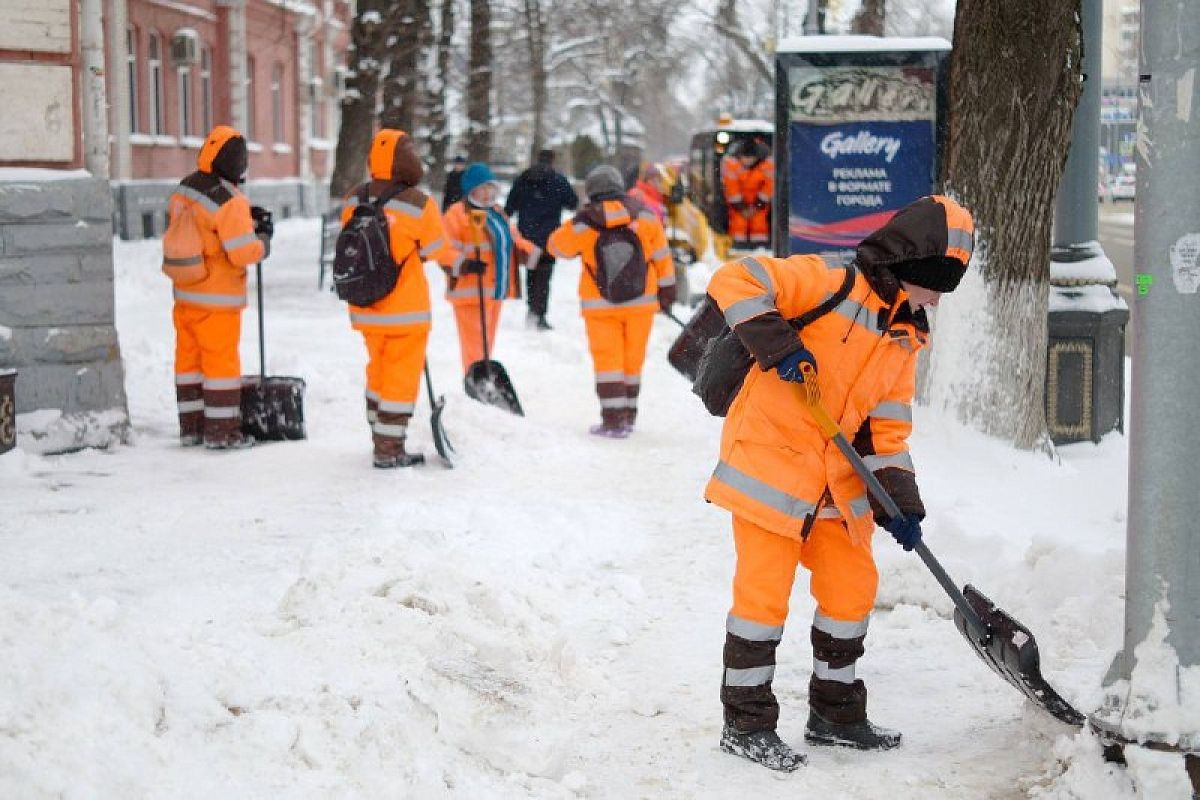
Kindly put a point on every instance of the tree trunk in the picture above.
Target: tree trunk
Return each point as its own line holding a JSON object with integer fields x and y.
{"x": 479, "y": 83}
{"x": 401, "y": 87}
{"x": 367, "y": 40}
{"x": 1014, "y": 83}
{"x": 869, "y": 19}
{"x": 439, "y": 135}
{"x": 535, "y": 26}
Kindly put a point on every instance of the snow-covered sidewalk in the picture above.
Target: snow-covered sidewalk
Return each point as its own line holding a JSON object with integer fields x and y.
{"x": 546, "y": 620}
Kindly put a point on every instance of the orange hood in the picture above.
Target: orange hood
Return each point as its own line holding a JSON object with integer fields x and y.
{"x": 216, "y": 139}
{"x": 393, "y": 157}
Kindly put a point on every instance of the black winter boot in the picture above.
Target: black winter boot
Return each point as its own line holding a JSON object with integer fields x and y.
{"x": 761, "y": 747}
{"x": 861, "y": 735}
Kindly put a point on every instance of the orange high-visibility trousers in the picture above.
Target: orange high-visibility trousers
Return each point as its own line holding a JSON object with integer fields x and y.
{"x": 470, "y": 335}
{"x": 618, "y": 341}
{"x": 755, "y": 229}
{"x": 844, "y": 577}
{"x": 206, "y": 342}
{"x": 394, "y": 364}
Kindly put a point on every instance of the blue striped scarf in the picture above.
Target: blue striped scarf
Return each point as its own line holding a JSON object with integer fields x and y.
{"x": 502, "y": 247}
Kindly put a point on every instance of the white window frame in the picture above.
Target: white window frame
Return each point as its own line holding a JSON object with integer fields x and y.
{"x": 183, "y": 76}
{"x": 250, "y": 130}
{"x": 206, "y": 100}
{"x": 131, "y": 77}
{"x": 278, "y": 128}
{"x": 158, "y": 111}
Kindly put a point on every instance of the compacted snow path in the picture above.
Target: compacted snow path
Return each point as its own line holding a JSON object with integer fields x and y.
{"x": 546, "y": 620}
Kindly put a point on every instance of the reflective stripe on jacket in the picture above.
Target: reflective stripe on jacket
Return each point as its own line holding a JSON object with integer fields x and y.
{"x": 226, "y": 229}
{"x": 577, "y": 238}
{"x": 415, "y": 234}
{"x": 775, "y": 466}
{"x": 464, "y": 242}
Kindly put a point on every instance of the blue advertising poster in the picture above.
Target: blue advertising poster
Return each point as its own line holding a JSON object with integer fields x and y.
{"x": 862, "y": 144}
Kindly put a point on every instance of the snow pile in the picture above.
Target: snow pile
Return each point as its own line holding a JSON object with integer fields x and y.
{"x": 49, "y": 430}
{"x": 545, "y": 620}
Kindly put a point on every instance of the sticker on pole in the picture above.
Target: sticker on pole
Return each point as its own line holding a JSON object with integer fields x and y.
{"x": 1185, "y": 263}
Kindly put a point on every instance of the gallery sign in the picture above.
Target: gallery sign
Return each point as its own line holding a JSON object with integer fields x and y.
{"x": 857, "y": 136}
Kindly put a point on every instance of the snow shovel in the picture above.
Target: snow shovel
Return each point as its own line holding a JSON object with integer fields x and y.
{"x": 1004, "y": 644}
{"x": 706, "y": 322}
{"x": 272, "y": 408}
{"x": 440, "y": 440}
{"x": 487, "y": 381}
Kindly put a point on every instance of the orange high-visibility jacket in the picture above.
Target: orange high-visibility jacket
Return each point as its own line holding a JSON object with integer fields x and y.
{"x": 775, "y": 466}
{"x": 414, "y": 234}
{"x": 747, "y": 185}
{"x": 464, "y": 242}
{"x": 577, "y": 237}
{"x": 226, "y": 229}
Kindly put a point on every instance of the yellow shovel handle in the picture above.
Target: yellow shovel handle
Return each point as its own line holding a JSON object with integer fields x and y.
{"x": 812, "y": 396}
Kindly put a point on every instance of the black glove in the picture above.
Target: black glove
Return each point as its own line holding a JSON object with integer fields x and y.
{"x": 263, "y": 226}
{"x": 474, "y": 266}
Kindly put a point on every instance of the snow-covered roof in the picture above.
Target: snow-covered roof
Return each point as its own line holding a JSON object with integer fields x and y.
{"x": 860, "y": 44}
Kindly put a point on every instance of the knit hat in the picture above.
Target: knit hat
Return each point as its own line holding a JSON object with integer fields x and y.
{"x": 939, "y": 273}
{"x": 475, "y": 175}
{"x": 603, "y": 181}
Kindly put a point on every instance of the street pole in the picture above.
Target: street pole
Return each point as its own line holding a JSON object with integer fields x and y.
{"x": 812, "y": 25}
{"x": 1162, "y": 572}
{"x": 1077, "y": 209}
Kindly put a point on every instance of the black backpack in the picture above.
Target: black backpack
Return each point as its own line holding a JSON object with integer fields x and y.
{"x": 620, "y": 264}
{"x": 363, "y": 268}
{"x": 725, "y": 361}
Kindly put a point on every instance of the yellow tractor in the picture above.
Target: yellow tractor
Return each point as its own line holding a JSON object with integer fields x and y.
{"x": 704, "y": 186}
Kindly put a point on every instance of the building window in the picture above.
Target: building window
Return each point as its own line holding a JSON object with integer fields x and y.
{"x": 249, "y": 99}
{"x": 184, "y": 74}
{"x": 131, "y": 77}
{"x": 158, "y": 124}
{"x": 206, "y": 121}
{"x": 316, "y": 93}
{"x": 277, "y": 128}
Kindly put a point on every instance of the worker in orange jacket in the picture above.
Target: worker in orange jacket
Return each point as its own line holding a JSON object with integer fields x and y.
{"x": 208, "y": 209}
{"x": 617, "y": 331}
{"x": 748, "y": 178}
{"x": 489, "y": 253}
{"x": 794, "y": 497}
{"x": 396, "y": 328}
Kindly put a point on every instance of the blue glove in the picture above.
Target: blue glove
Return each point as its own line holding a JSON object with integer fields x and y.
{"x": 905, "y": 529}
{"x": 789, "y": 367}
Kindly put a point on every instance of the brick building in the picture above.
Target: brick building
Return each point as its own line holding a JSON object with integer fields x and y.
{"x": 270, "y": 68}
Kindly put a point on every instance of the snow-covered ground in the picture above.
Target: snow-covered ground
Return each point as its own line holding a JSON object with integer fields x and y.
{"x": 546, "y": 620}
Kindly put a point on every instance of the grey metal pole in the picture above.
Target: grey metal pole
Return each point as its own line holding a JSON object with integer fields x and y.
{"x": 1162, "y": 572}
{"x": 1076, "y": 209}
{"x": 812, "y": 25}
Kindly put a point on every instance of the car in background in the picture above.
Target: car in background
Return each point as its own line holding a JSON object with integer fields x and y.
{"x": 1122, "y": 187}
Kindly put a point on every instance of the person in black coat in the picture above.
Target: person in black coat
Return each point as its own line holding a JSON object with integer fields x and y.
{"x": 538, "y": 197}
{"x": 452, "y": 192}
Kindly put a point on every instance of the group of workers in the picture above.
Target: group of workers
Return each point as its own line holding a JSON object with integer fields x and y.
{"x": 793, "y": 497}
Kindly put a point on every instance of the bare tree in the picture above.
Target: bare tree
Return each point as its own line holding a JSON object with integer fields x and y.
{"x": 438, "y": 118}
{"x": 407, "y": 24}
{"x": 1014, "y": 84}
{"x": 535, "y": 28}
{"x": 364, "y": 59}
{"x": 479, "y": 83}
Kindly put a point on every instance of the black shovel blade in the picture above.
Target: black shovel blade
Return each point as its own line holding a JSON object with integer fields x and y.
{"x": 488, "y": 382}
{"x": 273, "y": 408}
{"x": 440, "y": 440}
{"x": 1010, "y": 650}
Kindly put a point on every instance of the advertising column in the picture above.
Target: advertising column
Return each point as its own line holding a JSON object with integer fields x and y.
{"x": 858, "y": 138}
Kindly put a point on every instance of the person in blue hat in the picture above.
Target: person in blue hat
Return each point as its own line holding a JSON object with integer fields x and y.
{"x": 484, "y": 248}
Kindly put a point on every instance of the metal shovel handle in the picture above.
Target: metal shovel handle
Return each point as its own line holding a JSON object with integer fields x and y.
{"x": 831, "y": 429}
